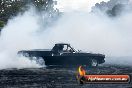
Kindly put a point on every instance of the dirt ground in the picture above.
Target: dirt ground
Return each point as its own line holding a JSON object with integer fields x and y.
{"x": 58, "y": 77}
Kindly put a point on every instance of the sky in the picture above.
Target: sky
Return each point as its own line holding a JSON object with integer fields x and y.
{"x": 69, "y": 5}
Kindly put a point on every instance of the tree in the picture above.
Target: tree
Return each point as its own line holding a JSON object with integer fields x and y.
{"x": 10, "y": 8}
{"x": 112, "y": 8}
{"x": 116, "y": 10}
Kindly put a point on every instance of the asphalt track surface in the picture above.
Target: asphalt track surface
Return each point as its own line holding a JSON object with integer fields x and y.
{"x": 58, "y": 77}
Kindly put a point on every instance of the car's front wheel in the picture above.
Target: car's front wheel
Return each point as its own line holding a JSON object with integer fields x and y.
{"x": 94, "y": 63}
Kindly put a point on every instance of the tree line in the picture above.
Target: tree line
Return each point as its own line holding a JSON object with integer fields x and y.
{"x": 10, "y": 8}
{"x": 112, "y": 8}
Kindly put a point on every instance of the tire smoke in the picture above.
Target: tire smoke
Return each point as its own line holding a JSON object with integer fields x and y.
{"x": 18, "y": 34}
{"x": 84, "y": 30}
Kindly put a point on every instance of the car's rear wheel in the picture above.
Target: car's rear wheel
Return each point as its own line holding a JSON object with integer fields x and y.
{"x": 39, "y": 60}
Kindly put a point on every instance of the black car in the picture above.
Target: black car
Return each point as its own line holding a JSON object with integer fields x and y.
{"x": 64, "y": 54}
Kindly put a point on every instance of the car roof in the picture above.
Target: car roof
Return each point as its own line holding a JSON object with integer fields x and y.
{"x": 62, "y": 44}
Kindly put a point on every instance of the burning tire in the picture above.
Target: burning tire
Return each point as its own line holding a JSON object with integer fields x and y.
{"x": 93, "y": 63}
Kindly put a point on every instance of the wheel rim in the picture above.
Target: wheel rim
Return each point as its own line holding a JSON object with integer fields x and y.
{"x": 94, "y": 62}
{"x": 40, "y": 61}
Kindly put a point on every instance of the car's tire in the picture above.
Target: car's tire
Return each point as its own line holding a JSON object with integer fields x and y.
{"x": 93, "y": 63}
{"x": 39, "y": 60}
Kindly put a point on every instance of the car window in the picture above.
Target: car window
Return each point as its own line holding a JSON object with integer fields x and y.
{"x": 69, "y": 48}
{"x": 65, "y": 48}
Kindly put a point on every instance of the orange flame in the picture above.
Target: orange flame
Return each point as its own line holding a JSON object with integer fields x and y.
{"x": 81, "y": 71}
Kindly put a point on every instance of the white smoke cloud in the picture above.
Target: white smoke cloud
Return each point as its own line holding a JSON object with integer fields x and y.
{"x": 87, "y": 31}
{"x": 96, "y": 33}
{"x": 18, "y": 34}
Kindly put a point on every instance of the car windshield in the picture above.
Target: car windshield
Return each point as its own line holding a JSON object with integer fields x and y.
{"x": 73, "y": 49}
{"x": 63, "y": 48}
{"x": 68, "y": 48}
